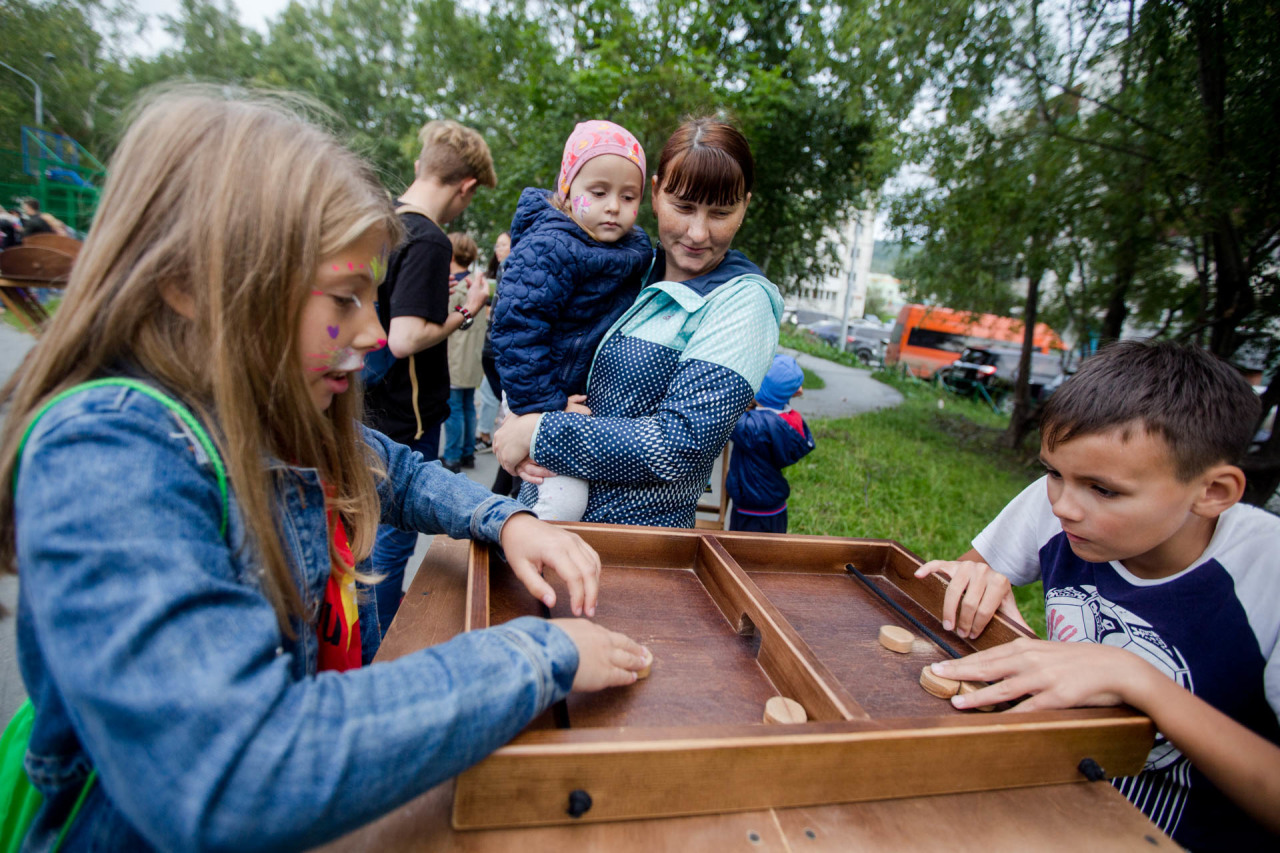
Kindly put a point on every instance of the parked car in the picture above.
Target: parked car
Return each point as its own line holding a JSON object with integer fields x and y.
{"x": 865, "y": 337}
{"x": 995, "y": 371}
{"x": 803, "y": 316}
{"x": 869, "y": 342}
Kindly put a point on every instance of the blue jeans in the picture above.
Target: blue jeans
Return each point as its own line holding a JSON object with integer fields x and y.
{"x": 488, "y": 410}
{"x": 460, "y": 428}
{"x": 393, "y": 547}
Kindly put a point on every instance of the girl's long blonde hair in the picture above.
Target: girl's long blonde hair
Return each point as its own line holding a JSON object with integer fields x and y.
{"x": 223, "y": 204}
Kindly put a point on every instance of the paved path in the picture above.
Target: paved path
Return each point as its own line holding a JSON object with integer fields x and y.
{"x": 848, "y": 391}
{"x": 13, "y": 346}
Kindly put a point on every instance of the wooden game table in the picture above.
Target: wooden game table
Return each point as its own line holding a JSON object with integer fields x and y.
{"x": 1064, "y": 816}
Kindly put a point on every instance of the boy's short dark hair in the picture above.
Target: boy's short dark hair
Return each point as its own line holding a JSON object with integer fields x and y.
{"x": 452, "y": 152}
{"x": 1198, "y": 403}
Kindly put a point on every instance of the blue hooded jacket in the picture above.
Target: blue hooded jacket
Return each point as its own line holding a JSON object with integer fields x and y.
{"x": 560, "y": 292}
{"x": 764, "y": 444}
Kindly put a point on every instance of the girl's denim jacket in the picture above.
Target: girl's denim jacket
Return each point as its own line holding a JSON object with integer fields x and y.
{"x": 151, "y": 653}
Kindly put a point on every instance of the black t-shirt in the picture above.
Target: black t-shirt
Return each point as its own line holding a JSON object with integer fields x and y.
{"x": 36, "y": 224}
{"x": 414, "y": 395}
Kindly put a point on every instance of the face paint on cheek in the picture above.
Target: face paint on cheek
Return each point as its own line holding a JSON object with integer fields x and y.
{"x": 582, "y": 204}
{"x": 332, "y": 330}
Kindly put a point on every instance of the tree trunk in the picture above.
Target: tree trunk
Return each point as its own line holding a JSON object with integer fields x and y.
{"x": 1262, "y": 467}
{"x": 1020, "y": 420}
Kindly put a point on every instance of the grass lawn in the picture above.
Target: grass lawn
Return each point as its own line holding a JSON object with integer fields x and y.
{"x": 929, "y": 474}
{"x": 812, "y": 380}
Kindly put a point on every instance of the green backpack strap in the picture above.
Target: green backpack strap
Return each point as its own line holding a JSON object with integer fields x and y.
{"x": 19, "y": 799}
{"x": 181, "y": 411}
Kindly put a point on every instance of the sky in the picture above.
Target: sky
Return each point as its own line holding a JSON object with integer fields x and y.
{"x": 252, "y": 13}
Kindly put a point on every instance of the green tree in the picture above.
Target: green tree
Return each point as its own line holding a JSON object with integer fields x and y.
{"x": 74, "y": 49}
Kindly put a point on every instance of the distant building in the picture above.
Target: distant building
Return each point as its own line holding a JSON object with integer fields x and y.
{"x": 829, "y": 295}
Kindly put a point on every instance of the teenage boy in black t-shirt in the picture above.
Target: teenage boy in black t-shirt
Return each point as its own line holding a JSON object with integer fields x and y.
{"x": 411, "y": 401}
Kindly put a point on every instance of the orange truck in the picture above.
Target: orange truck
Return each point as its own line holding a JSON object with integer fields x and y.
{"x": 928, "y": 337}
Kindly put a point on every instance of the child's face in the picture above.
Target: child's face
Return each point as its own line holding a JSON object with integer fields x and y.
{"x": 339, "y": 326}
{"x": 1120, "y": 500}
{"x": 605, "y": 196}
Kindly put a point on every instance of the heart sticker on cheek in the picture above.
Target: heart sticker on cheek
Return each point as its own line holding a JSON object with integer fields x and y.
{"x": 332, "y": 330}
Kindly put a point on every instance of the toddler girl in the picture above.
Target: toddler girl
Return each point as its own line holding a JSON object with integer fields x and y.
{"x": 188, "y": 533}
{"x": 575, "y": 266}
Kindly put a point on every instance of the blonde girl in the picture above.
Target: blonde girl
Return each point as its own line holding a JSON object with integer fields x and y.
{"x": 177, "y": 595}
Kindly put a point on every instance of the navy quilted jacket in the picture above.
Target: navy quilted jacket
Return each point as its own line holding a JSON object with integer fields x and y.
{"x": 764, "y": 444}
{"x": 560, "y": 292}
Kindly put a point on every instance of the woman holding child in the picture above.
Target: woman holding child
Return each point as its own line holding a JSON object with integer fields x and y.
{"x": 672, "y": 375}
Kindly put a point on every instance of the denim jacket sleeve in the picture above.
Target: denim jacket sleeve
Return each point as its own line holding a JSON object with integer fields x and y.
{"x": 151, "y": 641}
{"x": 428, "y": 498}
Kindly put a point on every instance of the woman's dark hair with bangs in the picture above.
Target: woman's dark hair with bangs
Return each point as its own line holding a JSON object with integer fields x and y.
{"x": 1200, "y": 405}
{"x": 706, "y": 161}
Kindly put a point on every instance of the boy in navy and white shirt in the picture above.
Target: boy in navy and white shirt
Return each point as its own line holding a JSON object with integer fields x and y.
{"x": 1161, "y": 590}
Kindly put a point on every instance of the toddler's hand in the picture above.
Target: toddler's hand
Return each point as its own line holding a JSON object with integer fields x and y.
{"x": 512, "y": 440}
{"x": 532, "y": 472}
{"x": 533, "y": 546}
{"x": 984, "y": 591}
{"x": 577, "y": 405}
{"x": 605, "y": 658}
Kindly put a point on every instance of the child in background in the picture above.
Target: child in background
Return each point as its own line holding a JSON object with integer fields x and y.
{"x": 1161, "y": 590}
{"x": 465, "y": 371}
{"x": 491, "y": 388}
{"x": 575, "y": 267}
{"x": 171, "y": 650}
{"x": 767, "y": 438}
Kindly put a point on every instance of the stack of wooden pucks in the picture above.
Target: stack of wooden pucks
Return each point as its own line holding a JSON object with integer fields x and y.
{"x": 945, "y": 688}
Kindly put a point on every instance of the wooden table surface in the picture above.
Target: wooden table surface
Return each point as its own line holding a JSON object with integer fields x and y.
{"x": 1082, "y": 816}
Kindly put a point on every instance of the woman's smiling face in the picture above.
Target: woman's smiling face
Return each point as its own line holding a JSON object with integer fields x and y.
{"x": 695, "y": 236}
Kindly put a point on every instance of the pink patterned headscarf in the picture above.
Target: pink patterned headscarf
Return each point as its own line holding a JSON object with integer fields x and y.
{"x": 591, "y": 139}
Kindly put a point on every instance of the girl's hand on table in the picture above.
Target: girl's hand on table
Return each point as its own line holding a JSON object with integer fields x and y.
{"x": 605, "y": 658}
{"x": 533, "y": 546}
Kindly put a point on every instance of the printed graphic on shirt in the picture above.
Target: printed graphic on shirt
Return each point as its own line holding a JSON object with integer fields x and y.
{"x": 1076, "y": 614}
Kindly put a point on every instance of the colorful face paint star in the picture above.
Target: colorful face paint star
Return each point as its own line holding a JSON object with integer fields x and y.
{"x": 606, "y": 196}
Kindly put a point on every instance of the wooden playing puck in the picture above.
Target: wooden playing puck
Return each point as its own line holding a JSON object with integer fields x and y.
{"x": 780, "y": 709}
{"x": 936, "y": 685}
{"x": 896, "y": 639}
{"x": 644, "y": 673}
{"x": 972, "y": 687}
